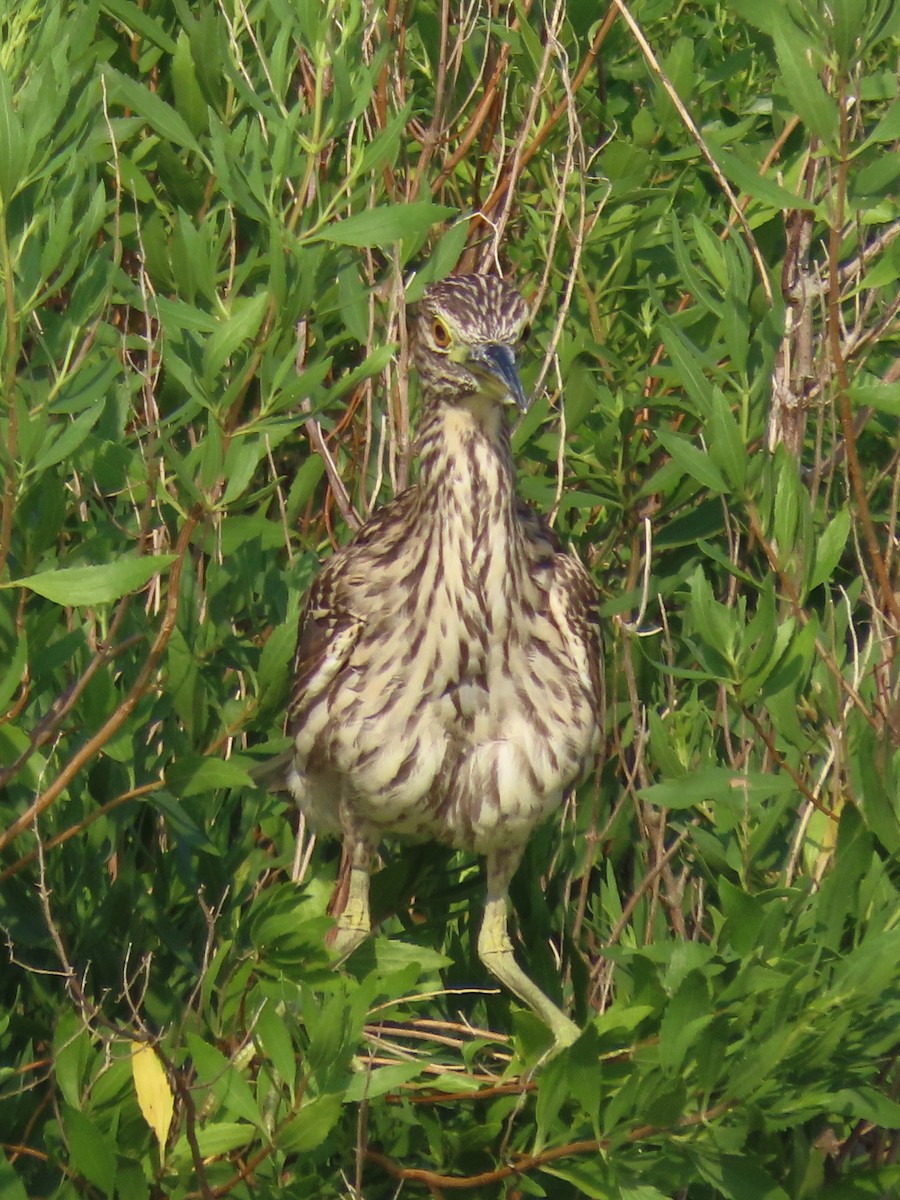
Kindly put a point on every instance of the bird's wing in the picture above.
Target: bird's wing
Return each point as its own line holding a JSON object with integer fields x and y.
{"x": 575, "y": 594}
{"x": 329, "y": 629}
{"x": 574, "y": 599}
{"x": 334, "y": 617}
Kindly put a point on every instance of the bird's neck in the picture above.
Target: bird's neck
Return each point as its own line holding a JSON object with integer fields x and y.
{"x": 465, "y": 461}
{"x": 467, "y": 530}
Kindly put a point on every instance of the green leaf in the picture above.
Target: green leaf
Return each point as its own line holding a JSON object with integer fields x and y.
{"x": 73, "y": 586}
{"x": 687, "y": 1014}
{"x": 367, "y": 1084}
{"x": 12, "y": 143}
{"x": 885, "y": 397}
{"x": 848, "y": 21}
{"x": 194, "y": 776}
{"x": 693, "y": 462}
{"x": 888, "y": 128}
{"x": 137, "y": 20}
{"x": 71, "y": 1053}
{"x": 740, "y": 1178}
{"x": 879, "y": 787}
{"x": 829, "y": 548}
{"x": 275, "y": 1040}
{"x": 746, "y": 177}
{"x": 553, "y": 1092}
{"x": 243, "y": 324}
{"x": 189, "y": 99}
{"x": 243, "y": 457}
{"x": 715, "y": 783}
{"x": 216, "y": 1138}
{"x": 311, "y": 1126}
{"x": 588, "y": 1176}
{"x": 161, "y": 117}
{"x": 802, "y": 85}
{"x": 91, "y": 1152}
{"x": 686, "y": 359}
{"x": 726, "y": 445}
{"x": 14, "y": 673}
{"x": 386, "y": 225}
{"x": 10, "y": 1186}
{"x": 72, "y": 435}
{"x": 228, "y": 1085}
{"x": 276, "y": 659}
{"x": 714, "y": 623}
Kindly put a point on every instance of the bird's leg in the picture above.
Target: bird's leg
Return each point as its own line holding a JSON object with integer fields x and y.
{"x": 496, "y": 952}
{"x": 354, "y": 921}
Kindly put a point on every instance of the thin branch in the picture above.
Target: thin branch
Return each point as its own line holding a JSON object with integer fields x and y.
{"x": 691, "y": 126}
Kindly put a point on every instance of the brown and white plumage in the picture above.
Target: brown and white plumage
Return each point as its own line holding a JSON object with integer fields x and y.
{"x": 447, "y": 674}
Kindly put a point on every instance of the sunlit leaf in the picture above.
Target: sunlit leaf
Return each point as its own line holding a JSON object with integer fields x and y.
{"x": 154, "y": 1094}
{"x": 386, "y": 225}
{"x": 95, "y": 585}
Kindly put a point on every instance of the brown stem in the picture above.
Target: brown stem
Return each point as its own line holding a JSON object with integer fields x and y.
{"x": 73, "y": 830}
{"x": 115, "y": 722}
{"x": 845, "y": 409}
{"x": 8, "y": 379}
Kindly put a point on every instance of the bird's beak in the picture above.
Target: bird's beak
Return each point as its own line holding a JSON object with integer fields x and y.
{"x": 499, "y": 361}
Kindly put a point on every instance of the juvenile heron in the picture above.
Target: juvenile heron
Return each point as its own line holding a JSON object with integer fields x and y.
{"x": 447, "y": 678}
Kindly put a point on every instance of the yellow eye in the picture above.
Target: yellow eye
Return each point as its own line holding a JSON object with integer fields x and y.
{"x": 440, "y": 333}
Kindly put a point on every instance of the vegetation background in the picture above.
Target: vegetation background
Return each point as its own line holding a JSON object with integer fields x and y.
{"x": 212, "y": 216}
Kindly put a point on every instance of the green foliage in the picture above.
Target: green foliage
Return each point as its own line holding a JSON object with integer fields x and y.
{"x": 211, "y": 217}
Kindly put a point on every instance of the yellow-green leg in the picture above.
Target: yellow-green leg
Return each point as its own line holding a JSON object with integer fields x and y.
{"x": 496, "y": 952}
{"x": 355, "y": 922}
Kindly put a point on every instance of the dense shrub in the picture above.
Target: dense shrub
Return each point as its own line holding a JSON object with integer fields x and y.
{"x": 211, "y": 219}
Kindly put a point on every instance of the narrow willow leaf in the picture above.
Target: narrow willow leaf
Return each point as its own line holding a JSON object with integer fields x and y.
{"x": 829, "y": 548}
{"x": 888, "y": 128}
{"x": 94, "y": 585}
{"x": 802, "y": 85}
{"x": 692, "y": 278}
{"x": 848, "y": 20}
{"x": 154, "y": 1095}
{"x": 92, "y": 1152}
{"x": 71, "y": 437}
{"x": 885, "y": 397}
{"x": 366, "y": 1085}
{"x": 193, "y": 776}
{"x": 726, "y": 445}
{"x": 386, "y": 225}
{"x": 273, "y": 1036}
{"x": 189, "y": 98}
{"x": 161, "y": 117}
{"x": 12, "y": 142}
{"x": 10, "y": 1186}
{"x": 686, "y": 359}
{"x": 215, "y": 1139}
{"x": 759, "y": 187}
{"x": 137, "y": 20}
{"x": 228, "y": 1084}
{"x": 312, "y": 1124}
{"x": 693, "y": 462}
{"x": 243, "y": 324}
{"x": 13, "y": 673}
{"x": 788, "y": 498}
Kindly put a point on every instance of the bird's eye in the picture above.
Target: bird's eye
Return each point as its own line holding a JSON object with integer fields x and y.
{"x": 440, "y": 333}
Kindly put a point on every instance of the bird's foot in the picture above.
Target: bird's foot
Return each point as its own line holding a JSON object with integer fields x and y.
{"x": 354, "y": 923}
{"x": 495, "y": 951}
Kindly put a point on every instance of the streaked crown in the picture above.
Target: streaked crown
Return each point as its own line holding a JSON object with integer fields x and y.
{"x": 466, "y": 334}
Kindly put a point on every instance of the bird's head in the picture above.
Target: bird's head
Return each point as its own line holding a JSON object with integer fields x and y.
{"x": 466, "y": 337}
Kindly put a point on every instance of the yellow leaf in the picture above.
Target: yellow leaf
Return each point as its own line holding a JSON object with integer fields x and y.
{"x": 154, "y": 1095}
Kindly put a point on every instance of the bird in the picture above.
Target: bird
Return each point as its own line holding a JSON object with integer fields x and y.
{"x": 447, "y": 681}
